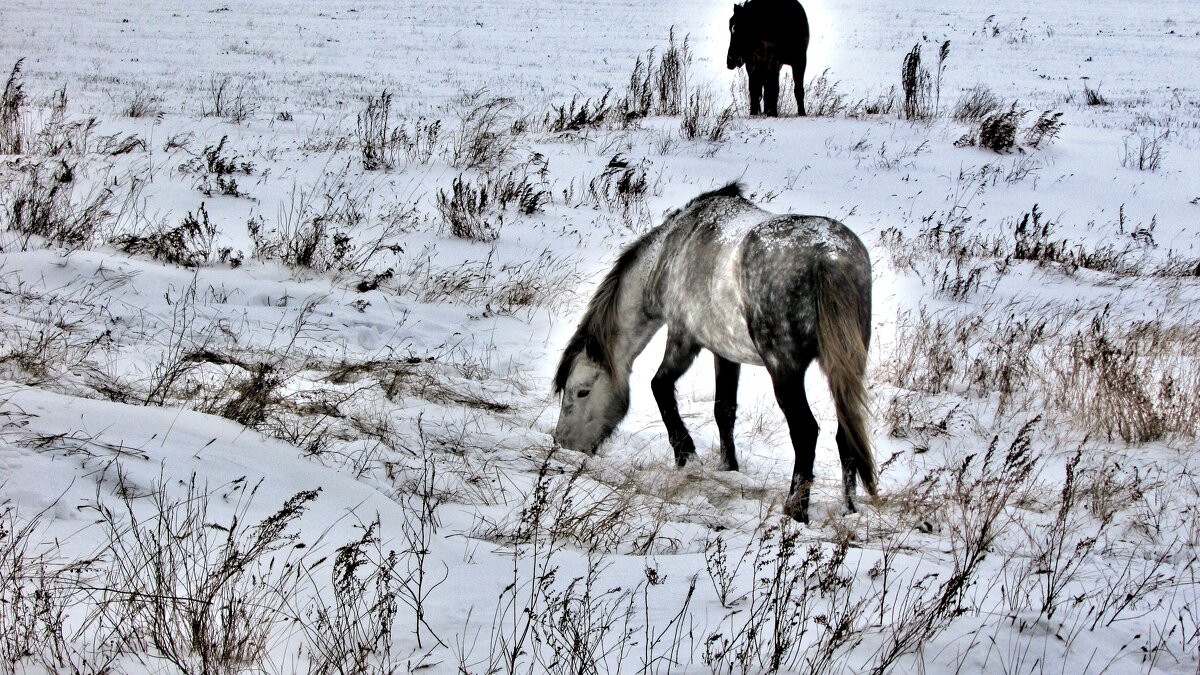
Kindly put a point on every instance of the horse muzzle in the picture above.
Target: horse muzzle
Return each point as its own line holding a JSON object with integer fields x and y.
{"x": 568, "y": 441}
{"x": 563, "y": 439}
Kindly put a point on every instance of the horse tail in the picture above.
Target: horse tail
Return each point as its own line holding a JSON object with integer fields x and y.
{"x": 843, "y": 335}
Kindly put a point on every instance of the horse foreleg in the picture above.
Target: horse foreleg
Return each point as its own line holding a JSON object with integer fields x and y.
{"x": 789, "y": 391}
{"x": 681, "y": 351}
{"x": 726, "y": 407}
{"x": 755, "y": 76}
{"x": 771, "y": 92}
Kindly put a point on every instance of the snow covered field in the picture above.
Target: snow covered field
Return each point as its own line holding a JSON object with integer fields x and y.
{"x": 284, "y": 284}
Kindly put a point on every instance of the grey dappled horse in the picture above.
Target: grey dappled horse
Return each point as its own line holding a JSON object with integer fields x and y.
{"x": 751, "y": 287}
{"x": 766, "y": 35}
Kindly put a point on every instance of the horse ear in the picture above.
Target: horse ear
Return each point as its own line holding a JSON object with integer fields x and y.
{"x": 736, "y": 8}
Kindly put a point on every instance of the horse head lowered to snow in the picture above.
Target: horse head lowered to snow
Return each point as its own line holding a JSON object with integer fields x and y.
{"x": 751, "y": 287}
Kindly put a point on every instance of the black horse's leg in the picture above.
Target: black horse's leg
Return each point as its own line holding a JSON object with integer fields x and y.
{"x": 798, "y": 75}
{"x": 726, "y": 407}
{"x": 681, "y": 351}
{"x": 771, "y": 93}
{"x": 755, "y": 75}
{"x": 789, "y": 391}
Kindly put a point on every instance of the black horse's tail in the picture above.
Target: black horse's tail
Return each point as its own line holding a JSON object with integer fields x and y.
{"x": 843, "y": 335}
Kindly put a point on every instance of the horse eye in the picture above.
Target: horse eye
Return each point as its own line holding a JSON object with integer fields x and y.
{"x": 583, "y": 393}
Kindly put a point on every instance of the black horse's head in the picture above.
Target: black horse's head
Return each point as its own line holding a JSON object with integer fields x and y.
{"x": 737, "y": 39}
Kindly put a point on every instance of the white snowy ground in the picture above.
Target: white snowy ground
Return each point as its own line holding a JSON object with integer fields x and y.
{"x": 426, "y": 402}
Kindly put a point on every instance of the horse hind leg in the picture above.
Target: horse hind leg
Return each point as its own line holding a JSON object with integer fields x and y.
{"x": 798, "y": 77}
{"x": 681, "y": 351}
{"x": 726, "y": 408}
{"x": 802, "y": 426}
{"x": 849, "y": 467}
{"x": 852, "y": 443}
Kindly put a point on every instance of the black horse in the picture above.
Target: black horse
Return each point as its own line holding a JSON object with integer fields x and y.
{"x": 751, "y": 287}
{"x": 765, "y": 35}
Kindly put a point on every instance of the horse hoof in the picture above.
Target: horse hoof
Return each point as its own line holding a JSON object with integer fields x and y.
{"x": 683, "y": 458}
{"x": 796, "y": 513}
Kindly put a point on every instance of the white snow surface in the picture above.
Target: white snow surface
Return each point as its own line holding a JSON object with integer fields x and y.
{"x": 441, "y": 369}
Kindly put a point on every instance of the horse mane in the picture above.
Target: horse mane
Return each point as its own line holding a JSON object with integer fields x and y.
{"x": 732, "y": 189}
{"x": 752, "y": 6}
{"x": 597, "y": 331}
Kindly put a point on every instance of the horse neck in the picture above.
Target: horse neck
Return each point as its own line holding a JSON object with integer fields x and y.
{"x": 636, "y": 325}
